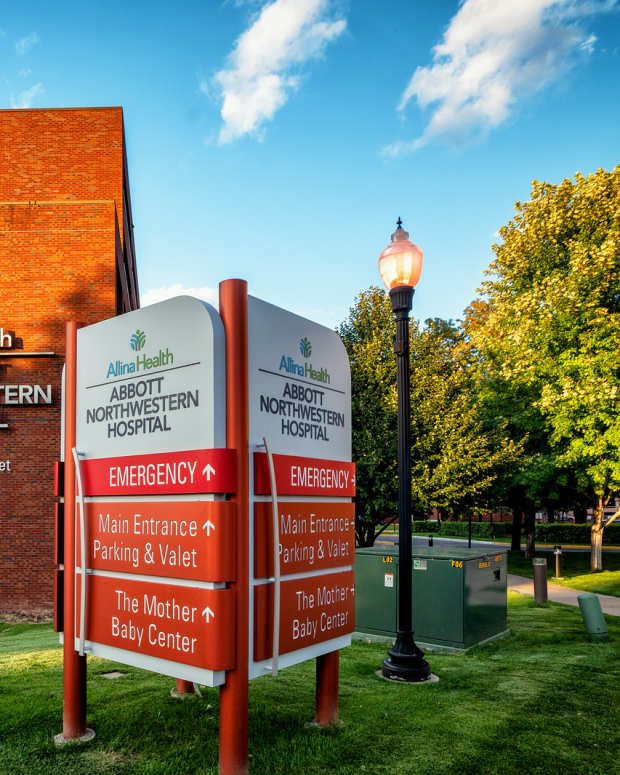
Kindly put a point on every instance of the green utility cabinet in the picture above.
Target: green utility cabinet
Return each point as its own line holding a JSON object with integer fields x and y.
{"x": 459, "y": 595}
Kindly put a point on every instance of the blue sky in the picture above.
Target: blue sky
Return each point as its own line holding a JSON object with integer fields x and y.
{"x": 279, "y": 141}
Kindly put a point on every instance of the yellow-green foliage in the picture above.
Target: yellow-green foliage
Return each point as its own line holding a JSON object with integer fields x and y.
{"x": 552, "y": 322}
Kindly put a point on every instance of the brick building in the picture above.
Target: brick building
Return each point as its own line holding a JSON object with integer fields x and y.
{"x": 66, "y": 253}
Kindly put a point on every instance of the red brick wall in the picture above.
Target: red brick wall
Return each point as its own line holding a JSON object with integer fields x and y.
{"x": 62, "y": 154}
{"x": 61, "y": 183}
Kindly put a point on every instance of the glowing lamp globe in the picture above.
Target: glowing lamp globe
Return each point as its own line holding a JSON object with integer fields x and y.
{"x": 401, "y": 262}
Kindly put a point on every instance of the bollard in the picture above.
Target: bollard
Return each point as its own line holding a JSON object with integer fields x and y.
{"x": 557, "y": 551}
{"x": 430, "y": 540}
{"x": 593, "y": 618}
{"x": 540, "y": 579}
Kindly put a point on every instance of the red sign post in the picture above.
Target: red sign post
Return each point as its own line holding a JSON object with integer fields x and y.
{"x": 177, "y": 623}
{"x": 163, "y": 473}
{"x": 163, "y": 579}
{"x": 74, "y": 664}
{"x": 312, "y": 610}
{"x": 234, "y": 693}
{"x": 304, "y": 476}
{"x": 313, "y": 536}
{"x": 191, "y": 540}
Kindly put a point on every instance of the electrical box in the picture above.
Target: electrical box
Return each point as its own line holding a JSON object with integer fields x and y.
{"x": 459, "y": 594}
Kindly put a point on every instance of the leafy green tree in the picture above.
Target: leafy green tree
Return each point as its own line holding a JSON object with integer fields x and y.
{"x": 455, "y": 458}
{"x": 552, "y": 328}
{"x": 533, "y": 478}
{"x": 367, "y": 335}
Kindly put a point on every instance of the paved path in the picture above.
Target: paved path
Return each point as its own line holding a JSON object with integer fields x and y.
{"x": 558, "y": 594}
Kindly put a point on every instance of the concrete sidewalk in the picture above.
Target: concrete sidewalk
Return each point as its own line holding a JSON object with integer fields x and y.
{"x": 556, "y": 593}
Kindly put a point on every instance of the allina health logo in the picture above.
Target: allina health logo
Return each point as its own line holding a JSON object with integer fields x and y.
{"x": 288, "y": 364}
{"x": 137, "y": 341}
{"x": 305, "y": 348}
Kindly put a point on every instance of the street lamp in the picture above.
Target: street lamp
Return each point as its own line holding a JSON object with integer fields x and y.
{"x": 400, "y": 265}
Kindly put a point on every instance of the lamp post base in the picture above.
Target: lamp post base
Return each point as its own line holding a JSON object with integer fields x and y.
{"x": 405, "y": 661}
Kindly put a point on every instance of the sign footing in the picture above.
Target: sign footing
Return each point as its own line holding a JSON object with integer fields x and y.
{"x": 60, "y": 740}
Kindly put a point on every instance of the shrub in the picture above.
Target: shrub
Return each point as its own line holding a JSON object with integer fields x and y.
{"x": 546, "y": 533}
{"x": 557, "y": 533}
{"x": 478, "y": 529}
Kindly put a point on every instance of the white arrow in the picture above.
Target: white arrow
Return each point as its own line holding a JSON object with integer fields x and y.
{"x": 207, "y": 471}
{"x": 208, "y": 614}
{"x": 208, "y": 526}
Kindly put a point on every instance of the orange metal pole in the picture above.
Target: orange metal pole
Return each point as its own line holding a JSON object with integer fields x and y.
{"x": 74, "y": 666}
{"x": 327, "y": 689}
{"x": 234, "y": 694}
{"x": 184, "y": 687}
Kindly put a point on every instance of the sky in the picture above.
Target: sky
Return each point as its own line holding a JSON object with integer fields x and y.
{"x": 279, "y": 141}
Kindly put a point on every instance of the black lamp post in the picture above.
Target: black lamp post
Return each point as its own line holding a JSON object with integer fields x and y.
{"x": 400, "y": 265}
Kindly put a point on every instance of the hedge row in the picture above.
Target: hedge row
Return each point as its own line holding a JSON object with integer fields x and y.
{"x": 478, "y": 529}
{"x": 546, "y": 533}
{"x": 556, "y": 533}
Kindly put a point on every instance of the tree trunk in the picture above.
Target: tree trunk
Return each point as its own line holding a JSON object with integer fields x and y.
{"x": 517, "y": 520}
{"x": 365, "y": 533}
{"x": 530, "y": 545}
{"x": 581, "y": 513}
{"x": 596, "y": 536}
{"x": 550, "y": 513}
{"x": 530, "y": 532}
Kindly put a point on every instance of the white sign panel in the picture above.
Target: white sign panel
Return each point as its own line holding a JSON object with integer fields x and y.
{"x": 300, "y": 400}
{"x": 151, "y": 387}
{"x": 299, "y": 384}
{"x": 152, "y": 380}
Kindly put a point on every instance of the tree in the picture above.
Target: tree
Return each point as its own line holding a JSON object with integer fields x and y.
{"x": 455, "y": 459}
{"x": 367, "y": 335}
{"x": 553, "y": 326}
{"x": 534, "y": 477}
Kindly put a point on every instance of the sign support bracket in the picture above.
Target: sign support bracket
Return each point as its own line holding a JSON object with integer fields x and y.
{"x": 276, "y": 560}
{"x": 78, "y": 473}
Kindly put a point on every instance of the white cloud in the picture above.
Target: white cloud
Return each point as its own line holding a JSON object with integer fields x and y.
{"x": 263, "y": 67}
{"x": 24, "y": 45}
{"x": 25, "y": 98}
{"x": 588, "y": 44}
{"x": 492, "y": 54}
{"x": 168, "y": 292}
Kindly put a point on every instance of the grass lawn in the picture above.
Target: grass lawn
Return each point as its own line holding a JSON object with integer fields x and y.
{"x": 575, "y": 570}
{"x": 545, "y": 700}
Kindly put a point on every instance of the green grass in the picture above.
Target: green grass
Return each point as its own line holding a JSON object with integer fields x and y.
{"x": 545, "y": 700}
{"x": 575, "y": 571}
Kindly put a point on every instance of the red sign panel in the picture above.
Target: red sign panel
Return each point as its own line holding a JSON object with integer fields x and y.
{"x": 312, "y": 610}
{"x": 313, "y": 536}
{"x": 183, "y": 540}
{"x": 162, "y": 473}
{"x": 183, "y": 624}
{"x": 304, "y": 476}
